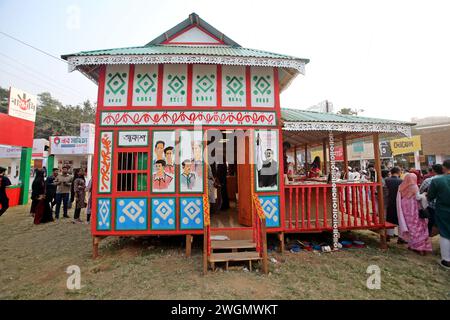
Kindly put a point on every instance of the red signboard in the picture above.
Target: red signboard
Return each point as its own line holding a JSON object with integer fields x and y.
{"x": 17, "y": 132}
{"x": 339, "y": 153}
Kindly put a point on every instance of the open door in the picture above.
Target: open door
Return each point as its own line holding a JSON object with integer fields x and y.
{"x": 244, "y": 188}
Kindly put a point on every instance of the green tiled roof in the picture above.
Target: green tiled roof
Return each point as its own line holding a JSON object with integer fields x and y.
{"x": 216, "y": 50}
{"x": 296, "y": 115}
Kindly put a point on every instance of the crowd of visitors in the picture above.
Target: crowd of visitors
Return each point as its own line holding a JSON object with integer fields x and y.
{"x": 55, "y": 191}
{"x": 420, "y": 206}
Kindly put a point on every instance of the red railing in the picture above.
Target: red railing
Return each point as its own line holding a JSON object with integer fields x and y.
{"x": 309, "y": 206}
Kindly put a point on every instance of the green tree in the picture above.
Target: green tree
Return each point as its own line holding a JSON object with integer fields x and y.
{"x": 350, "y": 111}
{"x": 4, "y": 97}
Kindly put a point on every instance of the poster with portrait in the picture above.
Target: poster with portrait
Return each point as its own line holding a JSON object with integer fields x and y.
{"x": 266, "y": 160}
{"x": 163, "y": 164}
{"x": 191, "y": 161}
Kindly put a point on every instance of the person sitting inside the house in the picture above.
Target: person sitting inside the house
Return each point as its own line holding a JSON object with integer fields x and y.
{"x": 170, "y": 167}
{"x": 314, "y": 172}
{"x": 187, "y": 177}
{"x": 161, "y": 180}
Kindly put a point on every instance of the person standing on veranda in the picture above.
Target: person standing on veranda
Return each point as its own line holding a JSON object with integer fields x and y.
{"x": 439, "y": 190}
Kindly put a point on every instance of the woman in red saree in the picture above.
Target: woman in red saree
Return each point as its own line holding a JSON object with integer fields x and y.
{"x": 411, "y": 227}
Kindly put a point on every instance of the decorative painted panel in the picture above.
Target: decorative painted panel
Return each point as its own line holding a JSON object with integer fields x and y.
{"x": 145, "y": 85}
{"x": 191, "y": 213}
{"x": 175, "y": 85}
{"x": 103, "y": 214}
{"x": 163, "y": 214}
{"x": 194, "y": 36}
{"x": 133, "y": 138}
{"x": 131, "y": 214}
{"x": 163, "y": 165}
{"x": 262, "y": 87}
{"x": 191, "y": 160}
{"x": 105, "y": 161}
{"x": 233, "y": 86}
{"x": 271, "y": 207}
{"x": 266, "y": 154}
{"x": 204, "y": 85}
{"x": 116, "y": 85}
{"x": 189, "y": 118}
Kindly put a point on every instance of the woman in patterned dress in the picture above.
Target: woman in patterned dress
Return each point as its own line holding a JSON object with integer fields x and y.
{"x": 411, "y": 227}
{"x": 79, "y": 187}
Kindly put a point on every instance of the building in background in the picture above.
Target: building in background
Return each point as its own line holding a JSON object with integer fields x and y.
{"x": 435, "y": 133}
{"x": 73, "y": 151}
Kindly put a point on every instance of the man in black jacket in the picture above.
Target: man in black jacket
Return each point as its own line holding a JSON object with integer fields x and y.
{"x": 4, "y": 182}
{"x": 392, "y": 184}
{"x": 50, "y": 188}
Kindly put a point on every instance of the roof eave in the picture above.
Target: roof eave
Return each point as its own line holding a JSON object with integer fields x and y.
{"x": 396, "y": 128}
{"x": 75, "y": 61}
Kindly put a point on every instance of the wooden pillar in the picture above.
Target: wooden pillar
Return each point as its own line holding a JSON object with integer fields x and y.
{"x": 306, "y": 156}
{"x": 381, "y": 217}
{"x": 265, "y": 262}
{"x": 295, "y": 159}
{"x": 324, "y": 153}
{"x": 344, "y": 150}
{"x": 205, "y": 250}
{"x": 281, "y": 239}
{"x": 95, "y": 243}
{"x": 189, "y": 239}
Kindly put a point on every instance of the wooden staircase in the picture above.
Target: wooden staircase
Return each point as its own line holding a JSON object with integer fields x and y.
{"x": 239, "y": 247}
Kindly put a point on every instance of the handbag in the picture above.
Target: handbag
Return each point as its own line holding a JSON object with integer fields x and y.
{"x": 424, "y": 213}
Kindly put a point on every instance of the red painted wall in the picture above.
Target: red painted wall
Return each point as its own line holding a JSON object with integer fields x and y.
{"x": 16, "y": 131}
{"x": 159, "y": 106}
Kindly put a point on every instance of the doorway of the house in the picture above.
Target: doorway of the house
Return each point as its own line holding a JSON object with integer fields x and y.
{"x": 229, "y": 155}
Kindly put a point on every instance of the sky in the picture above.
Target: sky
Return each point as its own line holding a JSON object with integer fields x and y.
{"x": 389, "y": 58}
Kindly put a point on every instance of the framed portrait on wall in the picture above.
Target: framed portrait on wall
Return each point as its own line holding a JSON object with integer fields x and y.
{"x": 266, "y": 160}
{"x": 191, "y": 161}
{"x": 163, "y": 164}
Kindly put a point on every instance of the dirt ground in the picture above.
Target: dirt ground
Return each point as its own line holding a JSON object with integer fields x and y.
{"x": 33, "y": 262}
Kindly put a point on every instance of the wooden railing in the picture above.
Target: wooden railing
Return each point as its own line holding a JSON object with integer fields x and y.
{"x": 309, "y": 207}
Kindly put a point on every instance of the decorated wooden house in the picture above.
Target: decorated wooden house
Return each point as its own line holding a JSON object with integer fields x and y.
{"x": 189, "y": 141}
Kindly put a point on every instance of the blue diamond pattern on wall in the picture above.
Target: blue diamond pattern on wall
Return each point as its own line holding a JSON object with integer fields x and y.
{"x": 271, "y": 207}
{"x": 163, "y": 214}
{"x": 131, "y": 214}
{"x": 104, "y": 214}
{"x": 191, "y": 213}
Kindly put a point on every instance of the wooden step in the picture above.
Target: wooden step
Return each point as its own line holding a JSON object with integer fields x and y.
{"x": 232, "y": 244}
{"x": 232, "y": 234}
{"x": 234, "y": 256}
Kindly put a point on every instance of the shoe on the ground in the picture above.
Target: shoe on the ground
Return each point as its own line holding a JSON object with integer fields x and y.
{"x": 401, "y": 241}
{"x": 66, "y": 217}
{"x": 445, "y": 264}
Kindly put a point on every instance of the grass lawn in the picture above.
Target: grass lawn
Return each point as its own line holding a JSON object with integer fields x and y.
{"x": 33, "y": 261}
